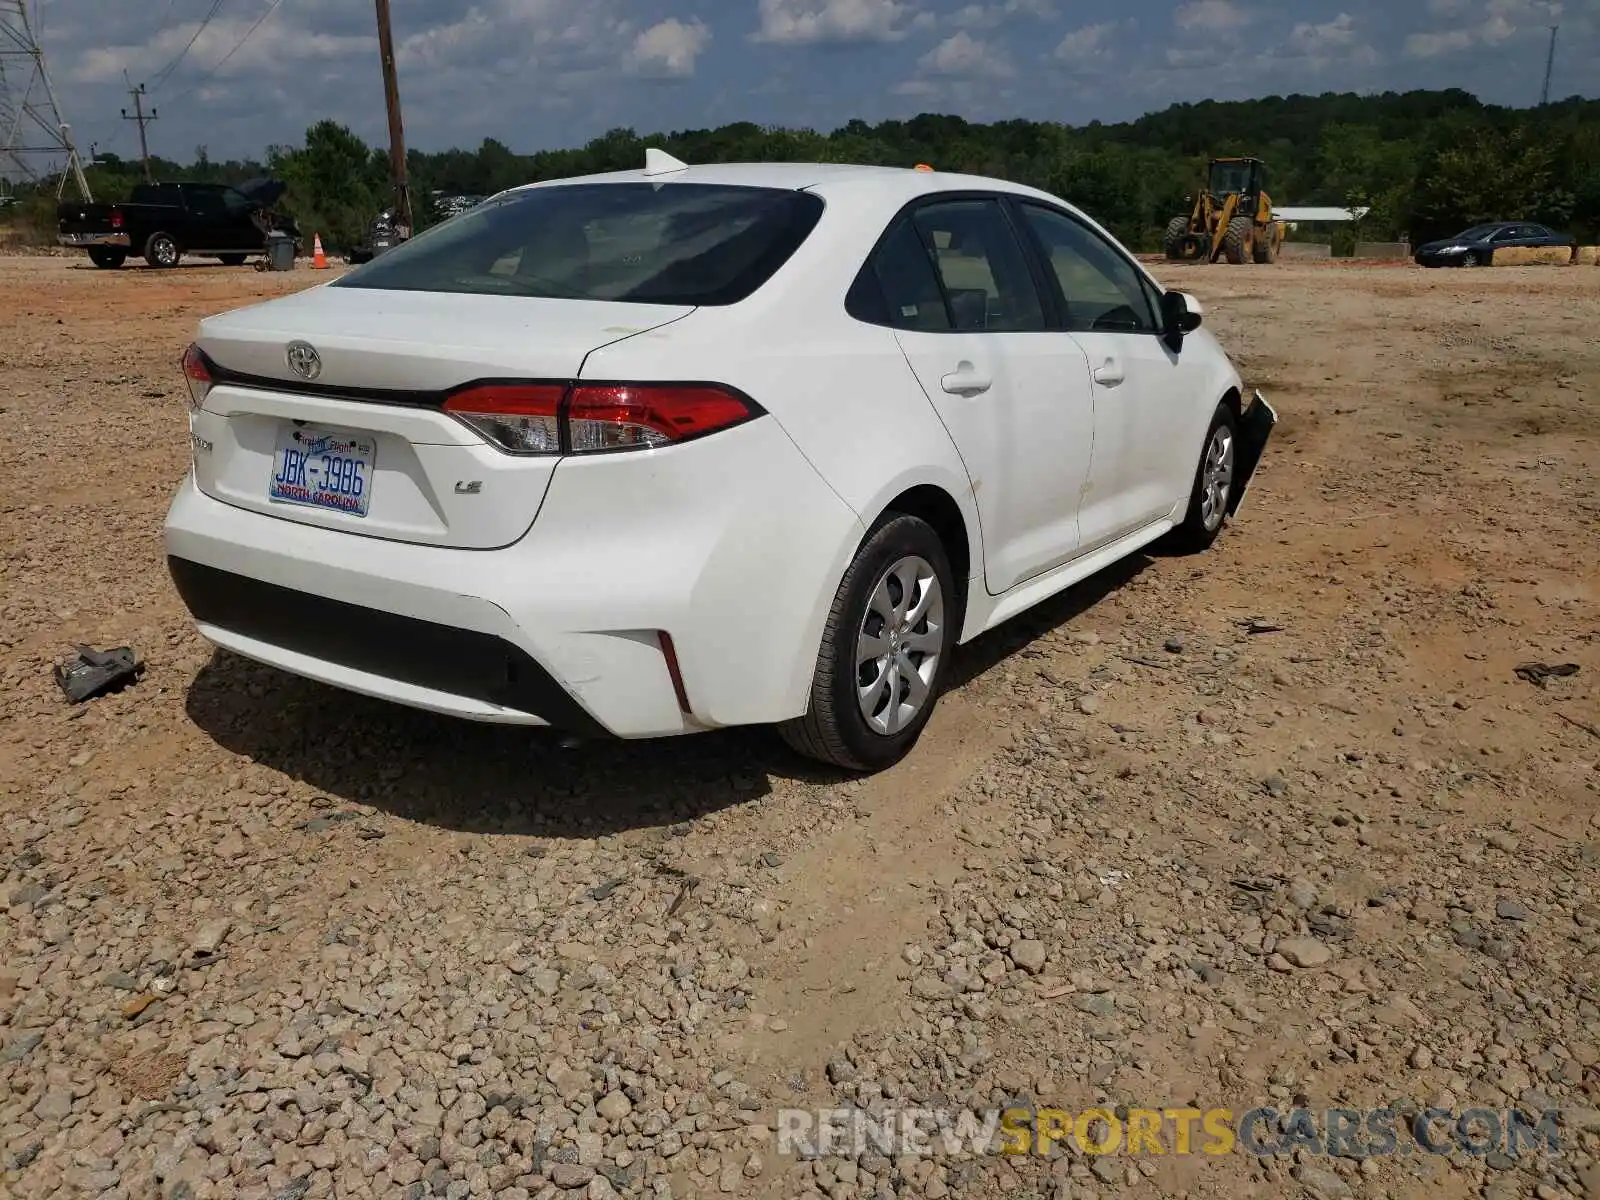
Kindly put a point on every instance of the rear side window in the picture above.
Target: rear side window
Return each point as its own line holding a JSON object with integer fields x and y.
{"x": 898, "y": 286}
{"x": 674, "y": 243}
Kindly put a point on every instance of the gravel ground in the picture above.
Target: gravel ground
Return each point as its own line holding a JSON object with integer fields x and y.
{"x": 1278, "y": 825}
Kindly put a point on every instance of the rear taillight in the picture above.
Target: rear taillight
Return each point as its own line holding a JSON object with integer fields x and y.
{"x": 116, "y": 218}
{"x": 597, "y": 418}
{"x": 635, "y": 417}
{"x": 197, "y": 373}
{"x": 519, "y": 418}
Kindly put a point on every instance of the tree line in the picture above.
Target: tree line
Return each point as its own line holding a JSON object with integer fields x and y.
{"x": 1426, "y": 163}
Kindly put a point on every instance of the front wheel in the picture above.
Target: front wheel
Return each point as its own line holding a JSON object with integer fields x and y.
{"x": 1213, "y": 484}
{"x": 1238, "y": 240}
{"x": 1472, "y": 259}
{"x": 1175, "y": 240}
{"x": 885, "y": 650}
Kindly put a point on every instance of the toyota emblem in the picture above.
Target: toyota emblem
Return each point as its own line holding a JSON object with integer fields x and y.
{"x": 304, "y": 360}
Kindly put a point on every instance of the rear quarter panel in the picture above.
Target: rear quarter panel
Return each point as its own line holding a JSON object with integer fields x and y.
{"x": 843, "y": 396}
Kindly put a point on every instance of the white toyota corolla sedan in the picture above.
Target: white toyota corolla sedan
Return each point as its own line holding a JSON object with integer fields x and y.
{"x": 687, "y": 447}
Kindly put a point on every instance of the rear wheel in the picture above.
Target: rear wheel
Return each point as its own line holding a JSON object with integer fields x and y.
{"x": 106, "y": 259}
{"x": 1236, "y": 242}
{"x": 885, "y": 650}
{"x": 1213, "y": 484}
{"x": 161, "y": 251}
{"x": 1175, "y": 238}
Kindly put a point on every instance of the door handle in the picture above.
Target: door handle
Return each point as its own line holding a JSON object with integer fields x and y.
{"x": 1108, "y": 373}
{"x": 966, "y": 380}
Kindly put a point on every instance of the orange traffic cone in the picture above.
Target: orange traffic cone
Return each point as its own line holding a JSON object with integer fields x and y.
{"x": 319, "y": 260}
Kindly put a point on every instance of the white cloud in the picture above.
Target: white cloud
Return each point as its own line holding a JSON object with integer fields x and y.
{"x": 667, "y": 50}
{"x": 810, "y": 22}
{"x": 992, "y": 16}
{"x": 269, "y": 47}
{"x": 1189, "y": 58}
{"x": 1335, "y": 41}
{"x": 1331, "y": 35}
{"x": 962, "y": 56}
{"x": 1497, "y": 22}
{"x": 1430, "y": 45}
{"x": 1211, "y": 15}
{"x": 1086, "y": 43}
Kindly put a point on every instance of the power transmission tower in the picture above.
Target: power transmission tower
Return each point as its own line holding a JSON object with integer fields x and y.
{"x": 139, "y": 115}
{"x": 31, "y": 125}
{"x": 397, "y": 137}
{"x": 1549, "y": 62}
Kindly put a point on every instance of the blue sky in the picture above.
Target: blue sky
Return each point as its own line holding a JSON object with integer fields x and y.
{"x": 540, "y": 73}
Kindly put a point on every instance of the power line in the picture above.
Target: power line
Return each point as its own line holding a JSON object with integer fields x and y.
{"x": 165, "y": 73}
{"x": 165, "y": 17}
{"x": 222, "y": 62}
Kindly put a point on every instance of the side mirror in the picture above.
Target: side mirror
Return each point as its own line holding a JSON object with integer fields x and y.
{"x": 1180, "y": 314}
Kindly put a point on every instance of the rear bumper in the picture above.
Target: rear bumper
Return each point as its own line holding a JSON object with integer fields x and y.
{"x": 733, "y": 546}
{"x": 83, "y": 241}
{"x": 432, "y": 666}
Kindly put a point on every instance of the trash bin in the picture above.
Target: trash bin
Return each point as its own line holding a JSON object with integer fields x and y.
{"x": 280, "y": 251}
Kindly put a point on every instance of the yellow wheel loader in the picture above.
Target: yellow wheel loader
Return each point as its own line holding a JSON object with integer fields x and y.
{"x": 1231, "y": 219}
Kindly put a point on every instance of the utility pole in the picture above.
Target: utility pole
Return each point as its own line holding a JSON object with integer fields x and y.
{"x": 31, "y": 125}
{"x": 397, "y": 137}
{"x": 144, "y": 119}
{"x": 1549, "y": 62}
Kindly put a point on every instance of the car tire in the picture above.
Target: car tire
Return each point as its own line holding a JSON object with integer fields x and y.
{"x": 1472, "y": 259}
{"x": 1174, "y": 239}
{"x": 107, "y": 260}
{"x": 233, "y": 260}
{"x": 871, "y": 728}
{"x": 1213, "y": 484}
{"x": 1238, "y": 240}
{"x": 161, "y": 251}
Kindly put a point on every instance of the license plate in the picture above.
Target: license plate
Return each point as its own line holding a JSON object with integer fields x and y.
{"x": 323, "y": 468}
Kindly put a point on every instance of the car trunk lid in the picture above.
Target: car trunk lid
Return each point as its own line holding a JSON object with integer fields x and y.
{"x": 326, "y": 407}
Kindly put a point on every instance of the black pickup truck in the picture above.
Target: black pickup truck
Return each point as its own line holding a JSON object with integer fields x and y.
{"x": 164, "y": 221}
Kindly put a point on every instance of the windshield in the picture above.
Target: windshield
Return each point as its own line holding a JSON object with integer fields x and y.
{"x": 1229, "y": 177}
{"x": 1477, "y": 233}
{"x": 671, "y": 243}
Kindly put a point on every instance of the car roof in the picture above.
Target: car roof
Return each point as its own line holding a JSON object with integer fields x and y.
{"x": 901, "y": 183}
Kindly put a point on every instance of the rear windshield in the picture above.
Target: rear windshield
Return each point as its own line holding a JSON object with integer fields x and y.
{"x": 674, "y": 243}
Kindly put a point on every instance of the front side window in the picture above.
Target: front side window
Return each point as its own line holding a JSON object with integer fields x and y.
{"x": 206, "y": 202}
{"x": 1101, "y": 291}
{"x": 674, "y": 243}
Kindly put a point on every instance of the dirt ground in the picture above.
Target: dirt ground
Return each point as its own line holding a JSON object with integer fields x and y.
{"x": 1278, "y": 825}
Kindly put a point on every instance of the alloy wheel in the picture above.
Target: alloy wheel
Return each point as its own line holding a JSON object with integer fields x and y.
{"x": 899, "y": 645}
{"x": 1216, "y": 477}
